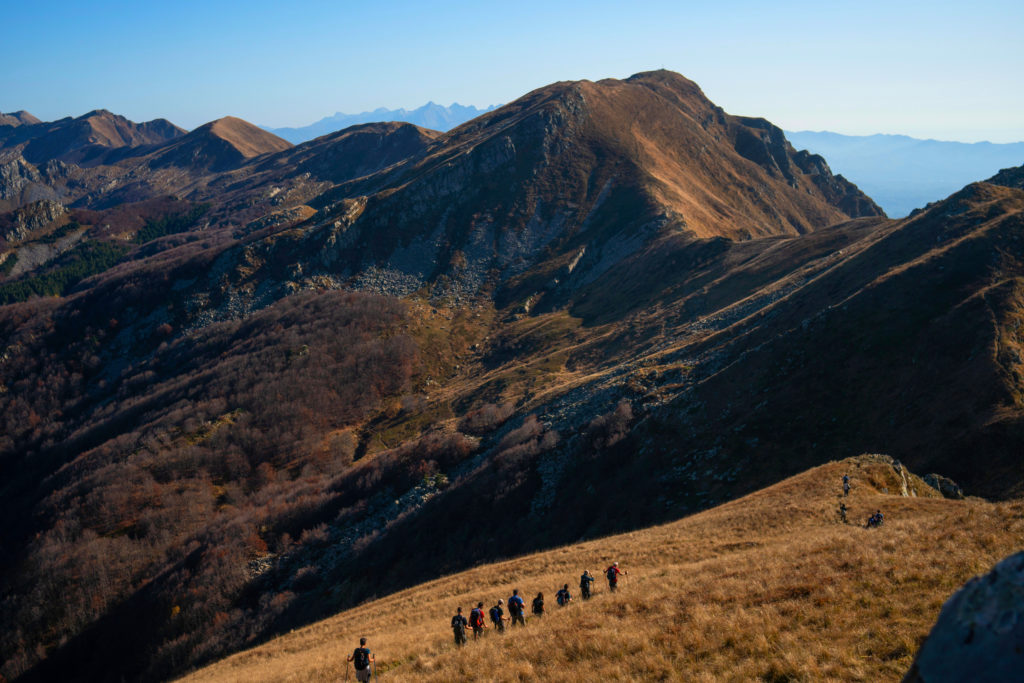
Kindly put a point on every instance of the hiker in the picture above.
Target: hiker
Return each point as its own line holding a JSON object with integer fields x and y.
{"x": 516, "y": 607}
{"x": 562, "y": 597}
{"x": 459, "y": 624}
{"x": 538, "y": 605}
{"x": 842, "y": 512}
{"x": 498, "y": 617}
{"x": 586, "y": 581}
{"x": 476, "y": 620}
{"x": 613, "y": 575}
{"x": 875, "y": 520}
{"x": 846, "y": 484}
{"x": 361, "y": 658}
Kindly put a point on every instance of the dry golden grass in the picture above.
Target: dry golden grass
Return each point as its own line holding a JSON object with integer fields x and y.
{"x": 768, "y": 587}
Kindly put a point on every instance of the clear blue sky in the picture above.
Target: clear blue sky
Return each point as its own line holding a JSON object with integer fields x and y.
{"x": 947, "y": 70}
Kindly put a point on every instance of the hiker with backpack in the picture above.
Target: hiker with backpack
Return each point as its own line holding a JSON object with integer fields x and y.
{"x": 516, "y": 606}
{"x": 562, "y": 597}
{"x": 476, "y": 621}
{"x": 613, "y": 573}
{"x": 459, "y": 624}
{"x": 498, "y": 617}
{"x": 875, "y": 520}
{"x": 846, "y": 484}
{"x": 538, "y": 605}
{"x": 586, "y": 582}
{"x": 361, "y": 658}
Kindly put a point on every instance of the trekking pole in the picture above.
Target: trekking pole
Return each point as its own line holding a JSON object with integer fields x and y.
{"x": 346, "y": 672}
{"x": 374, "y": 664}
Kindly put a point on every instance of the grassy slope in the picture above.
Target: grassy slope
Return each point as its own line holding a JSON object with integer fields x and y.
{"x": 771, "y": 586}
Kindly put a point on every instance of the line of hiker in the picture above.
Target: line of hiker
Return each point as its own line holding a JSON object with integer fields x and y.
{"x": 874, "y": 521}
{"x": 516, "y": 607}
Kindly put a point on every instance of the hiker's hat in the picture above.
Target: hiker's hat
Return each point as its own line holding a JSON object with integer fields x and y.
{"x": 500, "y": 601}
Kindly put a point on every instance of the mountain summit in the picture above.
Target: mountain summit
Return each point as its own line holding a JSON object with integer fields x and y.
{"x": 218, "y": 146}
{"x": 582, "y": 173}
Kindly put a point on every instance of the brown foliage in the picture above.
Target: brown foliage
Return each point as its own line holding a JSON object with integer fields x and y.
{"x": 168, "y": 472}
{"x": 486, "y": 418}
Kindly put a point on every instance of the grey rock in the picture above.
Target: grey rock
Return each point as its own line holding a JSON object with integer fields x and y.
{"x": 979, "y": 635}
{"x": 33, "y": 217}
{"x": 944, "y": 485}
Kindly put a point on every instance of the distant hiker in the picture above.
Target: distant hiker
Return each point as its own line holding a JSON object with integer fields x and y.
{"x": 842, "y": 512}
{"x": 459, "y": 624}
{"x": 361, "y": 658}
{"x": 498, "y": 617}
{"x": 476, "y": 620}
{"x": 846, "y": 484}
{"x": 613, "y": 575}
{"x": 562, "y": 597}
{"x": 516, "y": 607}
{"x": 875, "y": 520}
{"x": 586, "y": 581}
{"x": 538, "y": 605}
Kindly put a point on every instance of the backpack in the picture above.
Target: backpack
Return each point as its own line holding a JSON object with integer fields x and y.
{"x": 515, "y": 605}
{"x": 361, "y": 658}
{"x": 611, "y": 574}
{"x": 495, "y": 614}
{"x": 538, "y": 606}
{"x": 562, "y": 597}
{"x": 459, "y": 623}
{"x": 476, "y": 618}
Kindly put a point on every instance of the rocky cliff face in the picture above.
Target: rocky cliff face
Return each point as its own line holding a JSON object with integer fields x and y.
{"x": 33, "y": 217}
{"x": 20, "y": 181}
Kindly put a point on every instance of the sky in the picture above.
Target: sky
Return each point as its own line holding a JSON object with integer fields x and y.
{"x": 943, "y": 70}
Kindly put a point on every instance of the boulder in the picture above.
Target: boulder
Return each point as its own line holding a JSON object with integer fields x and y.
{"x": 944, "y": 485}
{"x": 979, "y": 635}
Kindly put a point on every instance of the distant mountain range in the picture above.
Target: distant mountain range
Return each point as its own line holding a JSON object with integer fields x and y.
{"x": 903, "y": 173}
{"x": 430, "y": 115}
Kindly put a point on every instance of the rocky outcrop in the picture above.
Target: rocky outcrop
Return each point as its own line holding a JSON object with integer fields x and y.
{"x": 1009, "y": 177}
{"x": 16, "y": 177}
{"x": 33, "y": 217}
{"x": 766, "y": 145}
{"x": 979, "y": 635}
{"x": 944, "y": 485}
{"x": 837, "y": 189}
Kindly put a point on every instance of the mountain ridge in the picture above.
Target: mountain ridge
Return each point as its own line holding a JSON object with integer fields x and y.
{"x": 86, "y": 139}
